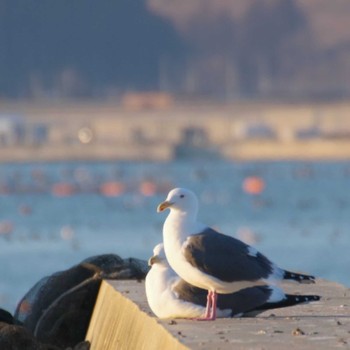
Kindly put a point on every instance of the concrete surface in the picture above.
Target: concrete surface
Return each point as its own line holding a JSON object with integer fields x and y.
{"x": 123, "y": 313}
{"x": 118, "y": 323}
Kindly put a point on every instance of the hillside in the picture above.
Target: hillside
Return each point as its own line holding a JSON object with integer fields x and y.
{"x": 274, "y": 49}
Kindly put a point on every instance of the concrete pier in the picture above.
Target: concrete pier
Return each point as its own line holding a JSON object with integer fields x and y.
{"x": 123, "y": 320}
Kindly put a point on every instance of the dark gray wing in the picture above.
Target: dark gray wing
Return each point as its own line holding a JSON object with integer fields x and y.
{"x": 254, "y": 300}
{"x": 190, "y": 293}
{"x": 244, "y": 301}
{"x": 225, "y": 257}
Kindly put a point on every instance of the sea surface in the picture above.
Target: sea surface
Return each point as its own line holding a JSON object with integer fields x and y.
{"x": 53, "y": 215}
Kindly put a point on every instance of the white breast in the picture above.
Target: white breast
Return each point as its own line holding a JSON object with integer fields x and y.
{"x": 162, "y": 299}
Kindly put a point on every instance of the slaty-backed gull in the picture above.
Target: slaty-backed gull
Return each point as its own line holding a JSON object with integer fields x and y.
{"x": 211, "y": 260}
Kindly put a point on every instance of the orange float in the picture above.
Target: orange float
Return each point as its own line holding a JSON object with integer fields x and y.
{"x": 112, "y": 189}
{"x": 62, "y": 189}
{"x": 148, "y": 188}
{"x": 253, "y": 185}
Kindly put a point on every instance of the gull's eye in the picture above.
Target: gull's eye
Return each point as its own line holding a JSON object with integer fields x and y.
{"x": 182, "y": 195}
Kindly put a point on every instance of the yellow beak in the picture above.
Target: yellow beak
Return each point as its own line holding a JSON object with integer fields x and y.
{"x": 164, "y": 205}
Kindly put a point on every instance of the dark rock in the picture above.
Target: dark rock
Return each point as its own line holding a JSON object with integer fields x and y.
{"x": 57, "y": 310}
{"x": 84, "y": 345}
{"x": 14, "y": 337}
{"x": 114, "y": 267}
{"x": 6, "y": 317}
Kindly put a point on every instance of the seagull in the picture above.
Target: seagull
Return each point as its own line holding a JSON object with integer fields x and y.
{"x": 169, "y": 296}
{"x": 211, "y": 260}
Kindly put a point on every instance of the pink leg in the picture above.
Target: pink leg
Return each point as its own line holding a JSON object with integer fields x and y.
{"x": 209, "y": 305}
{"x": 210, "y": 311}
{"x": 214, "y": 298}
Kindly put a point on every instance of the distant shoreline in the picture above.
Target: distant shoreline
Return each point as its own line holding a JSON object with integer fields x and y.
{"x": 236, "y": 132}
{"x": 317, "y": 151}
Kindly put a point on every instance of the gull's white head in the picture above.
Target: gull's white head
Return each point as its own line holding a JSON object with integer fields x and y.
{"x": 180, "y": 200}
{"x": 158, "y": 256}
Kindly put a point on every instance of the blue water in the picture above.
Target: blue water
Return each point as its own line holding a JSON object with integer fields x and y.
{"x": 301, "y": 220}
